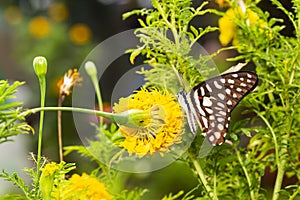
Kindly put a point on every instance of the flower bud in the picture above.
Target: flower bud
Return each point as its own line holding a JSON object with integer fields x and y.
{"x": 47, "y": 179}
{"x": 133, "y": 118}
{"x": 40, "y": 66}
{"x": 90, "y": 68}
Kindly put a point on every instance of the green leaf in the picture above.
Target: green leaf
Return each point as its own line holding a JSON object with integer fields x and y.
{"x": 13, "y": 196}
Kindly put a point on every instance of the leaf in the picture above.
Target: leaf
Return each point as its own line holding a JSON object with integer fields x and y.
{"x": 16, "y": 180}
{"x": 13, "y": 196}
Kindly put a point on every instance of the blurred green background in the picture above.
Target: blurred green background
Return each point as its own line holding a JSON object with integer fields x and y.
{"x": 65, "y": 32}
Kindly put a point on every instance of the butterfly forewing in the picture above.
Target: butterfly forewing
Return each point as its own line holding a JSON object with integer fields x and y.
{"x": 210, "y": 103}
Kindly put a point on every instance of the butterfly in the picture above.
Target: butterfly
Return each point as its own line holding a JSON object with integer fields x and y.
{"x": 209, "y": 104}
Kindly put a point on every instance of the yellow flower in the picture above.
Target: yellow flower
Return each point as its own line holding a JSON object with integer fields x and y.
{"x": 160, "y": 131}
{"x": 227, "y": 27}
{"x": 80, "y": 34}
{"x": 66, "y": 83}
{"x": 39, "y": 27}
{"x": 58, "y": 11}
{"x": 222, "y": 3}
{"x": 47, "y": 179}
{"x": 13, "y": 15}
{"x": 83, "y": 187}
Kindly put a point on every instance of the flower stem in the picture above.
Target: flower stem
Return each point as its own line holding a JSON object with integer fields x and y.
{"x": 42, "y": 80}
{"x": 281, "y": 166}
{"x": 91, "y": 70}
{"x": 98, "y": 93}
{"x": 59, "y": 131}
{"x": 201, "y": 175}
{"x": 110, "y": 116}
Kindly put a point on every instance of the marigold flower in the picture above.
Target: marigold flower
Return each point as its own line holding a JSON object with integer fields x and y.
{"x": 228, "y": 29}
{"x": 83, "y": 187}
{"x": 13, "y": 15}
{"x": 58, "y": 11}
{"x": 160, "y": 131}
{"x": 39, "y": 27}
{"x": 66, "y": 83}
{"x": 80, "y": 34}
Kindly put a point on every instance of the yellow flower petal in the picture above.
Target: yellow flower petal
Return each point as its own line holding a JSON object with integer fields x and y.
{"x": 163, "y": 131}
{"x": 228, "y": 30}
{"x": 83, "y": 187}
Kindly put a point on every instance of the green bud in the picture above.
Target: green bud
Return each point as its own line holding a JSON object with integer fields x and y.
{"x": 90, "y": 68}
{"x": 133, "y": 118}
{"x": 40, "y": 66}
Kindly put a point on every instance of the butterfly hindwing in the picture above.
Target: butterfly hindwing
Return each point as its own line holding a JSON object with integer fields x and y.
{"x": 209, "y": 104}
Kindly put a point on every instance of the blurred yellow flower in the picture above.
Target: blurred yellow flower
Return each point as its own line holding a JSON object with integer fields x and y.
{"x": 222, "y": 3}
{"x": 80, "y": 34}
{"x": 228, "y": 30}
{"x": 83, "y": 187}
{"x": 227, "y": 27}
{"x": 157, "y": 134}
{"x": 13, "y": 15}
{"x": 39, "y": 27}
{"x": 58, "y": 11}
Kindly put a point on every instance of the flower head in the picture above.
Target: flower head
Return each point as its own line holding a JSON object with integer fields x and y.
{"x": 227, "y": 27}
{"x": 157, "y": 132}
{"x": 80, "y": 34}
{"x": 58, "y": 11}
{"x": 83, "y": 187}
{"x": 13, "y": 15}
{"x": 39, "y": 27}
{"x": 66, "y": 83}
{"x": 222, "y": 3}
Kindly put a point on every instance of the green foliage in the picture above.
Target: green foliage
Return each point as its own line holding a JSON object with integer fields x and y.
{"x": 276, "y": 102}
{"x": 167, "y": 39}
{"x": 134, "y": 194}
{"x": 10, "y": 119}
{"x": 16, "y": 180}
{"x": 29, "y": 192}
{"x": 230, "y": 171}
{"x": 233, "y": 172}
{"x": 12, "y": 196}
{"x": 103, "y": 148}
{"x": 105, "y": 154}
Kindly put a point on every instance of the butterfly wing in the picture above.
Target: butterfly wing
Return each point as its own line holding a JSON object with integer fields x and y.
{"x": 210, "y": 103}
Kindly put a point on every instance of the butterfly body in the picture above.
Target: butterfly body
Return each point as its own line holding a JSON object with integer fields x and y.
{"x": 209, "y": 104}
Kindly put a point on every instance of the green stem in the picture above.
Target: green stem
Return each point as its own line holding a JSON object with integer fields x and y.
{"x": 279, "y": 179}
{"x": 98, "y": 93}
{"x": 281, "y": 162}
{"x": 110, "y": 116}
{"x": 201, "y": 175}
{"x": 273, "y": 135}
{"x": 215, "y": 185}
{"x": 59, "y": 131}
{"x": 252, "y": 195}
{"x": 168, "y": 24}
{"x": 42, "y": 80}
